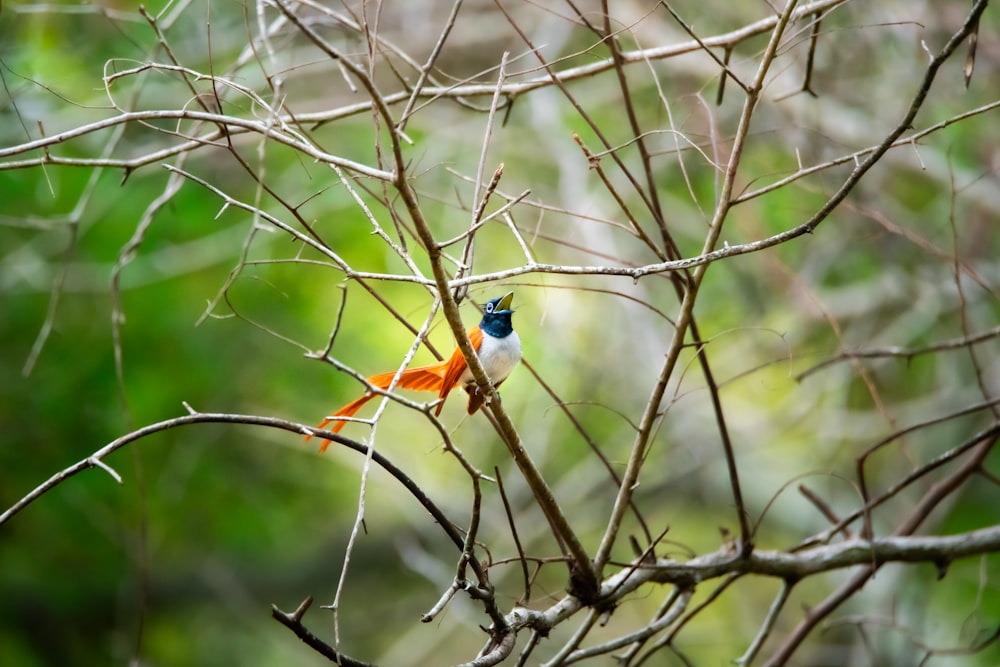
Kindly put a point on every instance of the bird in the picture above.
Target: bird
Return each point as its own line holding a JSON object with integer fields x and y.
{"x": 496, "y": 344}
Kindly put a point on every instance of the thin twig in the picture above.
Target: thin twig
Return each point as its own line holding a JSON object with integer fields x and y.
{"x": 651, "y": 413}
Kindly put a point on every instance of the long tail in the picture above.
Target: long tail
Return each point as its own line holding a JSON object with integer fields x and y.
{"x": 422, "y": 378}
{"x": 346, "y": 411}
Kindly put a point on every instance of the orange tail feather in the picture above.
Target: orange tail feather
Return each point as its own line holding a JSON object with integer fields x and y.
{"x": 347, "y": 411}
{"x": 422, "y": 378}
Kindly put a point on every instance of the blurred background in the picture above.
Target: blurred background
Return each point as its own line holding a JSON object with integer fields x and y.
{"x": 125, "y": 293}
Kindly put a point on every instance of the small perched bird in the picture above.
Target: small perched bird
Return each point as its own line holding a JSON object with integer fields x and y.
{"x": 496, "y": 344}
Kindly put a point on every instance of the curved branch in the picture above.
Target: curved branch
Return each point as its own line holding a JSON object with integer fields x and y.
{"x": 96, "y": 460}
{"x": 263, "y": 128}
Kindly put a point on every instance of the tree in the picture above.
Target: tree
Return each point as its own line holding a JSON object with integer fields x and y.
{"x": 755, "y": 274}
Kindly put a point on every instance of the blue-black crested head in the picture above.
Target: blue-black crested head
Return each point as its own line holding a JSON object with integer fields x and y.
{"x": 496, "y": 316}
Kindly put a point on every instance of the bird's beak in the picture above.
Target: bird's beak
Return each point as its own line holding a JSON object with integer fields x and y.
{"x": 505, "y": 302}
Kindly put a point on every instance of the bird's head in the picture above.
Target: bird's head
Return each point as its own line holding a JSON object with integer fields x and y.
{"x": 496, "y": 316}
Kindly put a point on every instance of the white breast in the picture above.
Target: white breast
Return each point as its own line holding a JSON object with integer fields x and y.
{"x": 499, "y": 356}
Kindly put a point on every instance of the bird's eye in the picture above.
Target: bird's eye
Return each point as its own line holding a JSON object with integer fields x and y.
{"x": 489, "y": 308}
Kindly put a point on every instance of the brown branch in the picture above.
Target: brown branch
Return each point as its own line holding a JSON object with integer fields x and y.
{"x": 903, "y": 352}
{"x": 293, "y": 622}
{"x": 582, "y": 575}
{"x": 651, "y": 413}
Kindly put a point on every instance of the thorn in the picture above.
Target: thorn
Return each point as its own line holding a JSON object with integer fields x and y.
{"x": 301, "y": 610}
{"x": 106, "y": 468}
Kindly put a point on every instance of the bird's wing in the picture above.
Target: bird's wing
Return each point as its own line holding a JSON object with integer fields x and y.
{"x": 422, "y": 378}
{"x": 456, "y": 366}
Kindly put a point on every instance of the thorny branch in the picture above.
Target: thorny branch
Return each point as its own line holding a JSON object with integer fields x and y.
{"x": 388, "y": 189}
